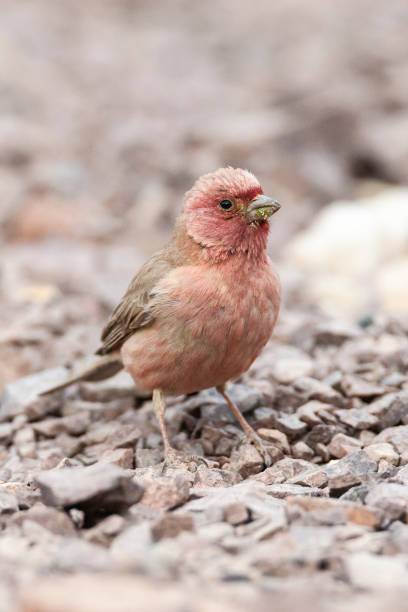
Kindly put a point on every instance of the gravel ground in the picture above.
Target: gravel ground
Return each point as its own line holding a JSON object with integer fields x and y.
{"x": 84, "y": 490}
{"x": 108, "y": 112}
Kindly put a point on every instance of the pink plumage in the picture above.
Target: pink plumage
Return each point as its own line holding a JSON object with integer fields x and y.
{"x": 215, "y": 311}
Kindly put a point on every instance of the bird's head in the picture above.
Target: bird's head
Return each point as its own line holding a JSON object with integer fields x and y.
{"x": 226, "y": 213}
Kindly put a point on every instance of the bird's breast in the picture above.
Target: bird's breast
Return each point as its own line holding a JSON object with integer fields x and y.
{"x": 223, "y": 314}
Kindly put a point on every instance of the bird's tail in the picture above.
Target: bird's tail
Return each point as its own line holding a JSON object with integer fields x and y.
{"x": 103, "y": 368}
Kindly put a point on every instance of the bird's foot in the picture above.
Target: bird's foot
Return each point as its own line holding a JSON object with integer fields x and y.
{"x": 262, "y": 449}
{"x": 176, "y": 459}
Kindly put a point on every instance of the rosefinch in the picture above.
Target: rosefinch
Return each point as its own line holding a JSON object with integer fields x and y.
{"x": 200, "y": 310}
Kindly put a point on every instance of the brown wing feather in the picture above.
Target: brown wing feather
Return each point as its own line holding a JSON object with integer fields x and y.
{"x": 133, "y": 311}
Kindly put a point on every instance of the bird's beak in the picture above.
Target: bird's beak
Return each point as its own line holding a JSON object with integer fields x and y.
{"x": 261, "y": 208}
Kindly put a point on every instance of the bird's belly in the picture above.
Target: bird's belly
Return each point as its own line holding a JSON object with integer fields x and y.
{"x": 190, "y": 350}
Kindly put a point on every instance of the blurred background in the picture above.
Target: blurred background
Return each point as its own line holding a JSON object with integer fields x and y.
{"x": 110, "y": 109}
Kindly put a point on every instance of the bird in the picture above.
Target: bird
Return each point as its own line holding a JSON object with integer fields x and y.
{"x": 200, "y": 310}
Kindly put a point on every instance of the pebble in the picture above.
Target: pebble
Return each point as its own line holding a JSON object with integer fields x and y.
{"x": 89, "y": 487}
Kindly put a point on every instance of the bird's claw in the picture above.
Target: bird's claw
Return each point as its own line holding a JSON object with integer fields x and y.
{"x": 177, "y": 459}
{"x": 261, "y": 448}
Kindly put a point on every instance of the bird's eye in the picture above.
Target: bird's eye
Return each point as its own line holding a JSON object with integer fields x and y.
{"x": 226, "y": 204}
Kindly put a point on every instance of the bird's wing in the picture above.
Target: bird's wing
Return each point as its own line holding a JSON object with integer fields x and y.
{"x": 133, "y": 311}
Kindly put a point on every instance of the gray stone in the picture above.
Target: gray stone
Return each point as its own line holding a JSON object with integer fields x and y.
{"x": 111, "y": 389}
{"x": 22, "y": 396}
{"x": 315, "y": 478}
{"x": 89, "y": 488}
{"x": 390, "y": 409}
{"x": 214, "y": 407}
{"x": 397, "y": 436}
{"x": 236, "y": 513}
{"x": 291, "y": 425}
{"x": 341, "y": 445}
{"x": 171, "y": 525}
{"x": 285, "y": 490}
{"x": 349, "y": 471}
{"x": 300, "y": 450}
{"x": 283, "y": 470}
{"x": 8, "y": 502}
{"x": 53, "y": 520}
{"x": 164, "y": 493}
{"x": 312, "y": 389}
{"x": 357, "y": 418}
{"x": 374, "y": 572}
{"x": 382, "y": 451}
{"x": 246, "y": 460}
{"x": 392, "y": 498}
{"x": 354, "y": 386}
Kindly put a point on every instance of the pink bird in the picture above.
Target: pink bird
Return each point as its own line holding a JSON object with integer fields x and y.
{"x": 200, "y": 310}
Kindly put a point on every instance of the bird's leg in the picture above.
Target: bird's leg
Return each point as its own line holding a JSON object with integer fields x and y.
{"x": 171, "y": 455}
{"x": 159, "y": 407}
{"x": 248, "y": 430}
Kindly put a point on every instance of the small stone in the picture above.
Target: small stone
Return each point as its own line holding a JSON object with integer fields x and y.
{"x": 353, "y": 512}
{"x": 316, "y": 478}
{"x": 308, "y": 412}
{"x": 22, "y": 396}
{"x": 119, "y": 386}
{"x": 26, "y": 492}
{"x": 69, "y": 445}
{"x": 397, "y": 436}
{"x": 6, "y": 432}
{"x": 354, "y": 386}
{"x": 402, "y": 475}
{"x": 8, "y": 502}
{"x": 342, "y": 445}
{"x": 382, "y": 451}
{"x": 356, "y": 494}
{"x": 24, "y": 436}
{"x": 283, "y": 470}
{"x": 123, "y": 457}
{"x": 213, "y": 477}
{"x": 50, "y": 428}
{"x": 366, "y": 437}
{"x": 335, "y": 333}
{"x": 105, "y": 530}
{"x": 145, "y": 457}
{"x": 77, "y": 517}
{"x": 320, "y": 434}
{"x": 312, "y": 389}
{"x": 164, "y": 493}
{"x": 375, "y": 573}
{"x": 322, "y": 451}
{"x": 236, "y": 514}
{"x": 88, "y": 488}
{"x": 285, "y": 490}
{"x": 357, "y": 418}
{"x": 5, "y": 474}
{"x": 171, "y": 525}
{"x": 350, "y": 470}
{"x": 300, "y": 450}
{"x": 291, "y": 425}
{"x": 275, "y": 436}
{"x": 50, "y": 458}
{"x": 390, "y": 409}
{"x": 287, "y": 370}
{"x": 391, "y": 498}
{"x": 124, "y": 437}
{"x": 395, "y": 379}
{"x": 50, "y": 518}
{"x": 246, "y": 460}
{"x": 214, "y": 408}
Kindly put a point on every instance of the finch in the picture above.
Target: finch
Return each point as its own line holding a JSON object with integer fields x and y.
{"x": 199, "y": 312}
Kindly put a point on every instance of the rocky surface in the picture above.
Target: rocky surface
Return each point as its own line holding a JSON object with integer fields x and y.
{"x": 108, "y": 112}
{"x": 84, "y": 490}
